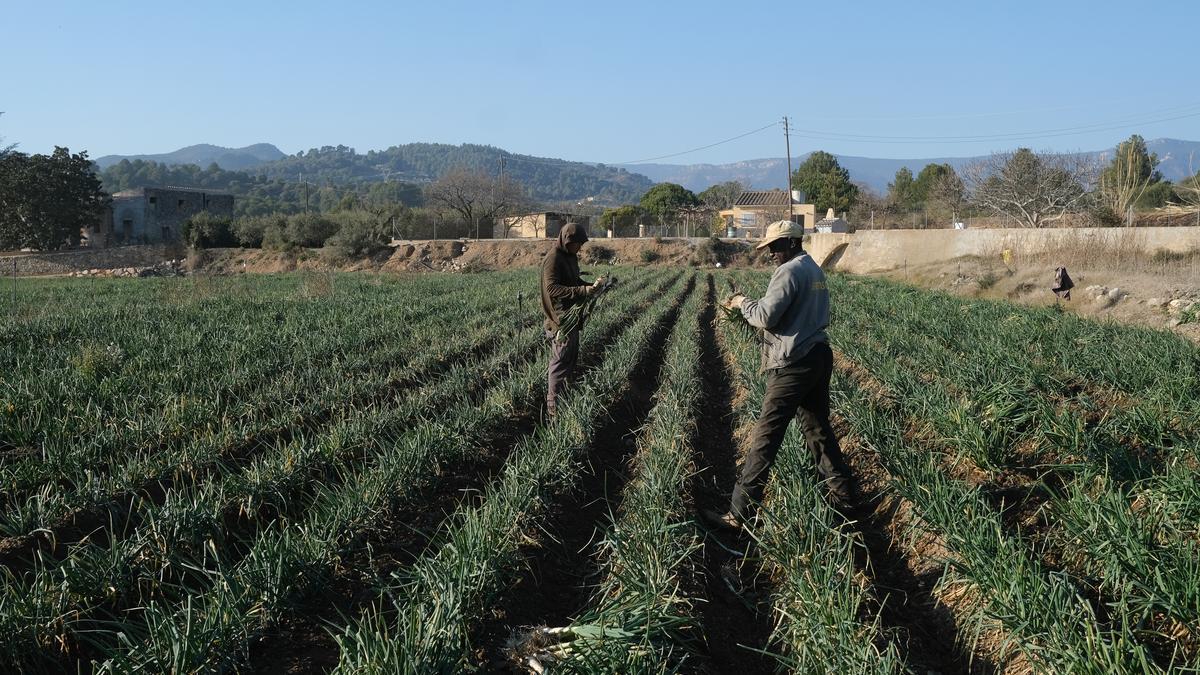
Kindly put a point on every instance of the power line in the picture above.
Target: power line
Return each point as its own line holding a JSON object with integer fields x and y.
{"x": 703, "y": 147}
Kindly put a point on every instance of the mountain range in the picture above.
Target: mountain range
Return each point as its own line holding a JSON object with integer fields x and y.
{"x": 1177, "y": 160}
{"x": 556, "y": 180}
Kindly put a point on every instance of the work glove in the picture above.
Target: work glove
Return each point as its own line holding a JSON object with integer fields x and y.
{"x": 734, "y": 301}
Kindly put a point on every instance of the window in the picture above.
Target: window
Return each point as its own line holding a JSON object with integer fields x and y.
{"x": 180, "y": 204}
{"x": 153, "y": 201}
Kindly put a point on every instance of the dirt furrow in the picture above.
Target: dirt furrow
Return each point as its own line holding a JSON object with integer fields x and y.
{"x": 561, "y": 570}
{"x": 732, "y": 626}
{"x": 903, "y": 577}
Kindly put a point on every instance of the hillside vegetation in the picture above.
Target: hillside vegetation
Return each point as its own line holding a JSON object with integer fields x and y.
{"x": 332, "y": 172}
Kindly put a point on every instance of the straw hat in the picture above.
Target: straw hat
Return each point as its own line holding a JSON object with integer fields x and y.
{"x": 781, "y": 229}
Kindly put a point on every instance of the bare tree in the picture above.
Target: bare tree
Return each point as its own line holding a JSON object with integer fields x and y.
{"x": 946, "y": 198}
{"x": 1030, "y": 188}
{"x": 871, "y": 210}
{"x": 475, "y": 196}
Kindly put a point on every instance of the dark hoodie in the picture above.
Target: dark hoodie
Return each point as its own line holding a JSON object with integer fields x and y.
{"x": 561, "y": 286}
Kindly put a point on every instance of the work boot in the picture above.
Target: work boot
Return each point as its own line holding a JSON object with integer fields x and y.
{"x": 842, "y": 493}
{"x": 721, "y": 521}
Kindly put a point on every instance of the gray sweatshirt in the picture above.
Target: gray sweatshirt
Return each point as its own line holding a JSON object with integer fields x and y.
{"x": 794, "y": 312}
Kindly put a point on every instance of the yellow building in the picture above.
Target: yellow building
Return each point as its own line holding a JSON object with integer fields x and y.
{"x": 753, "y": 210}
{"x": 545, "y": 224}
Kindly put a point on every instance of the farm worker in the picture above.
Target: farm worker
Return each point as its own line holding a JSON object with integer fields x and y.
{"x": 562, "y": 288}
{"x": 798, "y": 362}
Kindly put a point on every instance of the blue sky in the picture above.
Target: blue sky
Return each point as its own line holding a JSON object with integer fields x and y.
{"x": 607, "y": 82}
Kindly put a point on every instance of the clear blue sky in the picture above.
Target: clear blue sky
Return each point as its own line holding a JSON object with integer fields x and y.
{"x": 606, "y": 82}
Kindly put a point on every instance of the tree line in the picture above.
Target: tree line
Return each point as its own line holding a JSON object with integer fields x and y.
{"x": 46, "y": 200}
{"x": 1032, "y": 189}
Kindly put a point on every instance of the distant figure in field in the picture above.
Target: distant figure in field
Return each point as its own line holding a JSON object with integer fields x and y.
{"x": 562, "y": 289}
{"x": 799, "y": 363}
{"x": 1062, "y": 283}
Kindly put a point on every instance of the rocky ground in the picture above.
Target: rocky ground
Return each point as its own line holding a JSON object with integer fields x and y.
{"x": 1157, "y": 296}
{"x": 167, "y": 268}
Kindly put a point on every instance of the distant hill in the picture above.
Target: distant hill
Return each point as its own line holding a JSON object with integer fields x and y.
{"x": 205, "y": 154}
{"x": 559, "y": 182}
{"x": 549, "y": 181}
{"x": 877, "y": 173}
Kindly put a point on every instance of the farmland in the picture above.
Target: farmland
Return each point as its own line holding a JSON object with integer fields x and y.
{"x": 352, "y": 473}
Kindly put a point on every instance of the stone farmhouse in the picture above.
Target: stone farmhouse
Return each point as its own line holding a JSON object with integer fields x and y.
{"x": 151, "y": 215}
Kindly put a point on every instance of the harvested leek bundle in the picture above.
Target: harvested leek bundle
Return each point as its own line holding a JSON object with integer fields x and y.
{"x": 734, "y": 316}
{"x": 574, "y": 318}
{"x": 543, "y": 647}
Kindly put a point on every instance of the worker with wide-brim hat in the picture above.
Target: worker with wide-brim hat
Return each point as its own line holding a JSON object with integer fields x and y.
{"x": 797, "y": 359}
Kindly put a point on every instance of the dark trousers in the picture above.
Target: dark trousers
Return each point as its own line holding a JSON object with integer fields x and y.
{"x": 563, "y": 356}
{"x": 800, "y": 390}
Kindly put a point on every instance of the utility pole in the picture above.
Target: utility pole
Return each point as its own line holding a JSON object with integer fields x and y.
{"x": 787, "y": 185}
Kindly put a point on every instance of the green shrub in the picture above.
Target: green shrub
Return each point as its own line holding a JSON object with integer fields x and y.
{"x": 359, "y": 233}
{"x": 1191, "y": 314}
{"x": 309, "y": 230}
{"x": 649, "y": 255}
{"x": 1157, "y": 195}
{"x": 206, "y": 230}
{"x": 1101, "y": 215}
{"x": 987, "y": 280}
{"x": 708, "y": 252}
{"x": 274, "y": 236}
{"x": 250, "y": 231}
{"x": 595, "y": 254}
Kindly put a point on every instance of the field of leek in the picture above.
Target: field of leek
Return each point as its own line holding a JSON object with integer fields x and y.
{"x": 353, "y": 473}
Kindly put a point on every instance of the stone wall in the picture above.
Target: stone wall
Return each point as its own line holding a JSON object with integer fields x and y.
{"x": 41, "y": 264}
{"x": 872, "y": 251}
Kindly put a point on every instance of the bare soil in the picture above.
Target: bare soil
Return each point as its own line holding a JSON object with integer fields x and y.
{"x": 733, "y": 627}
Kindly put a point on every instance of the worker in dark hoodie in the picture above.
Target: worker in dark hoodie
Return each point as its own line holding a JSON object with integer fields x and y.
{"x": 562, "y": 289}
